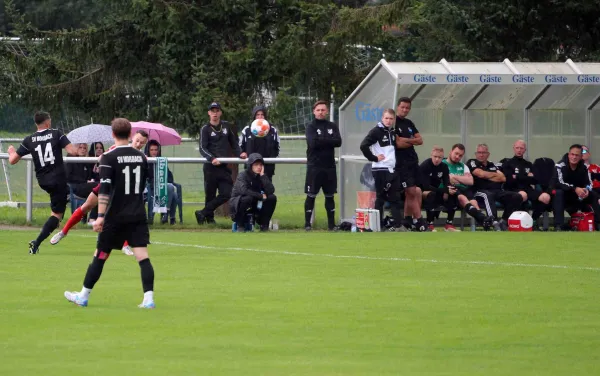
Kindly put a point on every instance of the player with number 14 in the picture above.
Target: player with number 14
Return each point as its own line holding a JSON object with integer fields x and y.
{"x": 45, "y": 148}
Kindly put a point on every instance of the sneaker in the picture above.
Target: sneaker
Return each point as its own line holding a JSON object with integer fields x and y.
{"x": 211, "y": 221}
{"x": 307, "y": 228}
{"x": 402, "y": 228}
{"x": 127, "y": 250}
{"x": 449, "y": 227}
{"x": 33, "y": 248}
{"x": 432, "y": 228}
{"x": 334, "y": 229}
{"x": 172, "y": 221}
{"x": 421, "y": 226}
{"x": 200, "y": 218}
{"x": 503, "y": 225}
{"x": 146, "y": 305}
{"x": 497, "y": 226}
{"x": 488, "y": 222}
{"x": 75, "y": 298}
{"x": 57, "y": 237}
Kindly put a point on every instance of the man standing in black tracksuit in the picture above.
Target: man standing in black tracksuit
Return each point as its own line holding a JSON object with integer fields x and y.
{"x": 322, "y": 137}
{"x": 253, "y": 192}
{"x": 520, "y": 178}
{"x": 267, "y": 146}
{"x": 571, "y": 186}
{"x": 379, "y": 147}
{"x": 216, "y": 141}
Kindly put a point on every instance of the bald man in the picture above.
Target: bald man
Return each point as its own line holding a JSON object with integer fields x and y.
{"x": 520, "y": 178}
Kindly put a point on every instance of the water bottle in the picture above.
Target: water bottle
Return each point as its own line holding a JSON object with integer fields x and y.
{"x": 353, "y": 224}
{"x": 234, "y": 227}
{"x": 260, "y": 203}
{"x": 590, "y": 225}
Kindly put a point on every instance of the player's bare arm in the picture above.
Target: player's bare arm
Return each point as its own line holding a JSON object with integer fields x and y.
{"x": 13, "y": 157}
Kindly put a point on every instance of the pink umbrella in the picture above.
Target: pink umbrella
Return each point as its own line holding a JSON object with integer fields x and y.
{"x": 165, "y": 135}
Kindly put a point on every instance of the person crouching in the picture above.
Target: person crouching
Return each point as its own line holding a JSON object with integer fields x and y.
{"x": 253, "y": 195}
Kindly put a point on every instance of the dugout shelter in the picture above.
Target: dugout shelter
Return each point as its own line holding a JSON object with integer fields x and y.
{"x": 549, "y": 105}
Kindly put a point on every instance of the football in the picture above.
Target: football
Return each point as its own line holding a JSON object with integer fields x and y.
{"x": 260, "y": 127}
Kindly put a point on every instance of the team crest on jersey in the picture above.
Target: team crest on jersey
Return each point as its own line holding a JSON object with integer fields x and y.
{"x": 440, "y": 174}
{"x": 330, "y": 131}
{"x": 225, "y": 131}
{"x": 213, "y": 134}
{"x": 319, "y": 132}
{"x": 385, "y": 139}
{"x": 527, "y": 170}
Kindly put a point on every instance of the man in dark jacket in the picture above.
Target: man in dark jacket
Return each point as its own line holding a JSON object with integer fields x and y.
{"x": 571, "y": 186}
{"x": 322, "y": 137}
{"x": 379, "y": 147}
{"x": 216, "y": 141}
{"x": 267, "y": 146}
{"x": 253, "y": 193}
{"x": 520, "y": 178}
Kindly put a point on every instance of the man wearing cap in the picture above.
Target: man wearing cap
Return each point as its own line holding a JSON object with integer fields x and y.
{"x": 254, "y": 194}
{"x": 216, "y": 141}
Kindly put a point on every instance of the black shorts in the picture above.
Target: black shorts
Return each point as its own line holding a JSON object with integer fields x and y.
{"x": 408, "y": 174}
{"x": 532, "y": 194}
{"x": 436, "y": 199}
{"x": 319, "y": 177}
{"x": 113, "y": 235}
{"x": 58, "y": 196}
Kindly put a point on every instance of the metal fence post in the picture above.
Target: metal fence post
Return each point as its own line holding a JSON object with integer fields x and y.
{"x": 29, "y": 190}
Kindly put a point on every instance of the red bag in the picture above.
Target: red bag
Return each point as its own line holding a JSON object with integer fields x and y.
{"x": 582, "y": 221}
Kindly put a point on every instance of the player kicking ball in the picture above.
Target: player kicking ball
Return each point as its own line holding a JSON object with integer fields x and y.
{"x": 121, "y": 214}
{"x": 139, "y": 141}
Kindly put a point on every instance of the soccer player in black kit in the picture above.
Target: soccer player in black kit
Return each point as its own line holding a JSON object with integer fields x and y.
{"x": 322, "y": 137}
{"x": 121, "y": 213}
{"x": 45, "y": 147}
{"x": 407, "y": 165}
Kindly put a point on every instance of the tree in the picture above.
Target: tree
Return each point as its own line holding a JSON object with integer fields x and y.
{"x": 177, "y": 56}
{"x": 529, "y": 30}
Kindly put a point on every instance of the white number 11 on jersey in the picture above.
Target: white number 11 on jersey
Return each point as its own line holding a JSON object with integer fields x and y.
{"x": 138, "y": 172}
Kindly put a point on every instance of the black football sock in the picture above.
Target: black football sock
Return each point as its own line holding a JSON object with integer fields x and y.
{"x": 95, "y": 270}
{"x": 330, "y": 208}
{"x": 473, "y": 212}
{"x": 50, "y": 225}
{"x": 309, "y": 206}
{"x": 147, "y": 272}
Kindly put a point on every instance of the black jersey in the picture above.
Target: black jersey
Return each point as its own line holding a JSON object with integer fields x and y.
{"x": 45, "y": 147}
{"x": 434, "y": 178}
{"x": 123, "y": 173}
{"x": 405, "y": 128}
{"x": 322, "y": 137}
{"x": 484, "y": 184}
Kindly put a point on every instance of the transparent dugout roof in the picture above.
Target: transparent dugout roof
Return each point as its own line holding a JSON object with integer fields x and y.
{"x": 494, "y": 86}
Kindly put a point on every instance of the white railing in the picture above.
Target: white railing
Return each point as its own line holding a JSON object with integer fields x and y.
{"x": 27, "y": 159}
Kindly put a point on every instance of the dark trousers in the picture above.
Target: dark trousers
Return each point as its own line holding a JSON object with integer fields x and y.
{"x": 216, "y": 178}
{"x": 262, "y": 216}
{"x": 510, "y": 200}
{"x": 387, "y": 188}
{"x": 569, "y": 201}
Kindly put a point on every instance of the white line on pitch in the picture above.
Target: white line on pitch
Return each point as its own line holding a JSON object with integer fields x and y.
{"x": 359, "y": 257}
{"x": 491, "y": 263}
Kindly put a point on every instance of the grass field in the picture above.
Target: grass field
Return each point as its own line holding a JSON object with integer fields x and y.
{"x": 292, "y": 303}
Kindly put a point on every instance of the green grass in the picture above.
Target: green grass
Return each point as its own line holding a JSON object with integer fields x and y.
{"x": 308, "y": 304}
{"x": 289, "y": 212}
